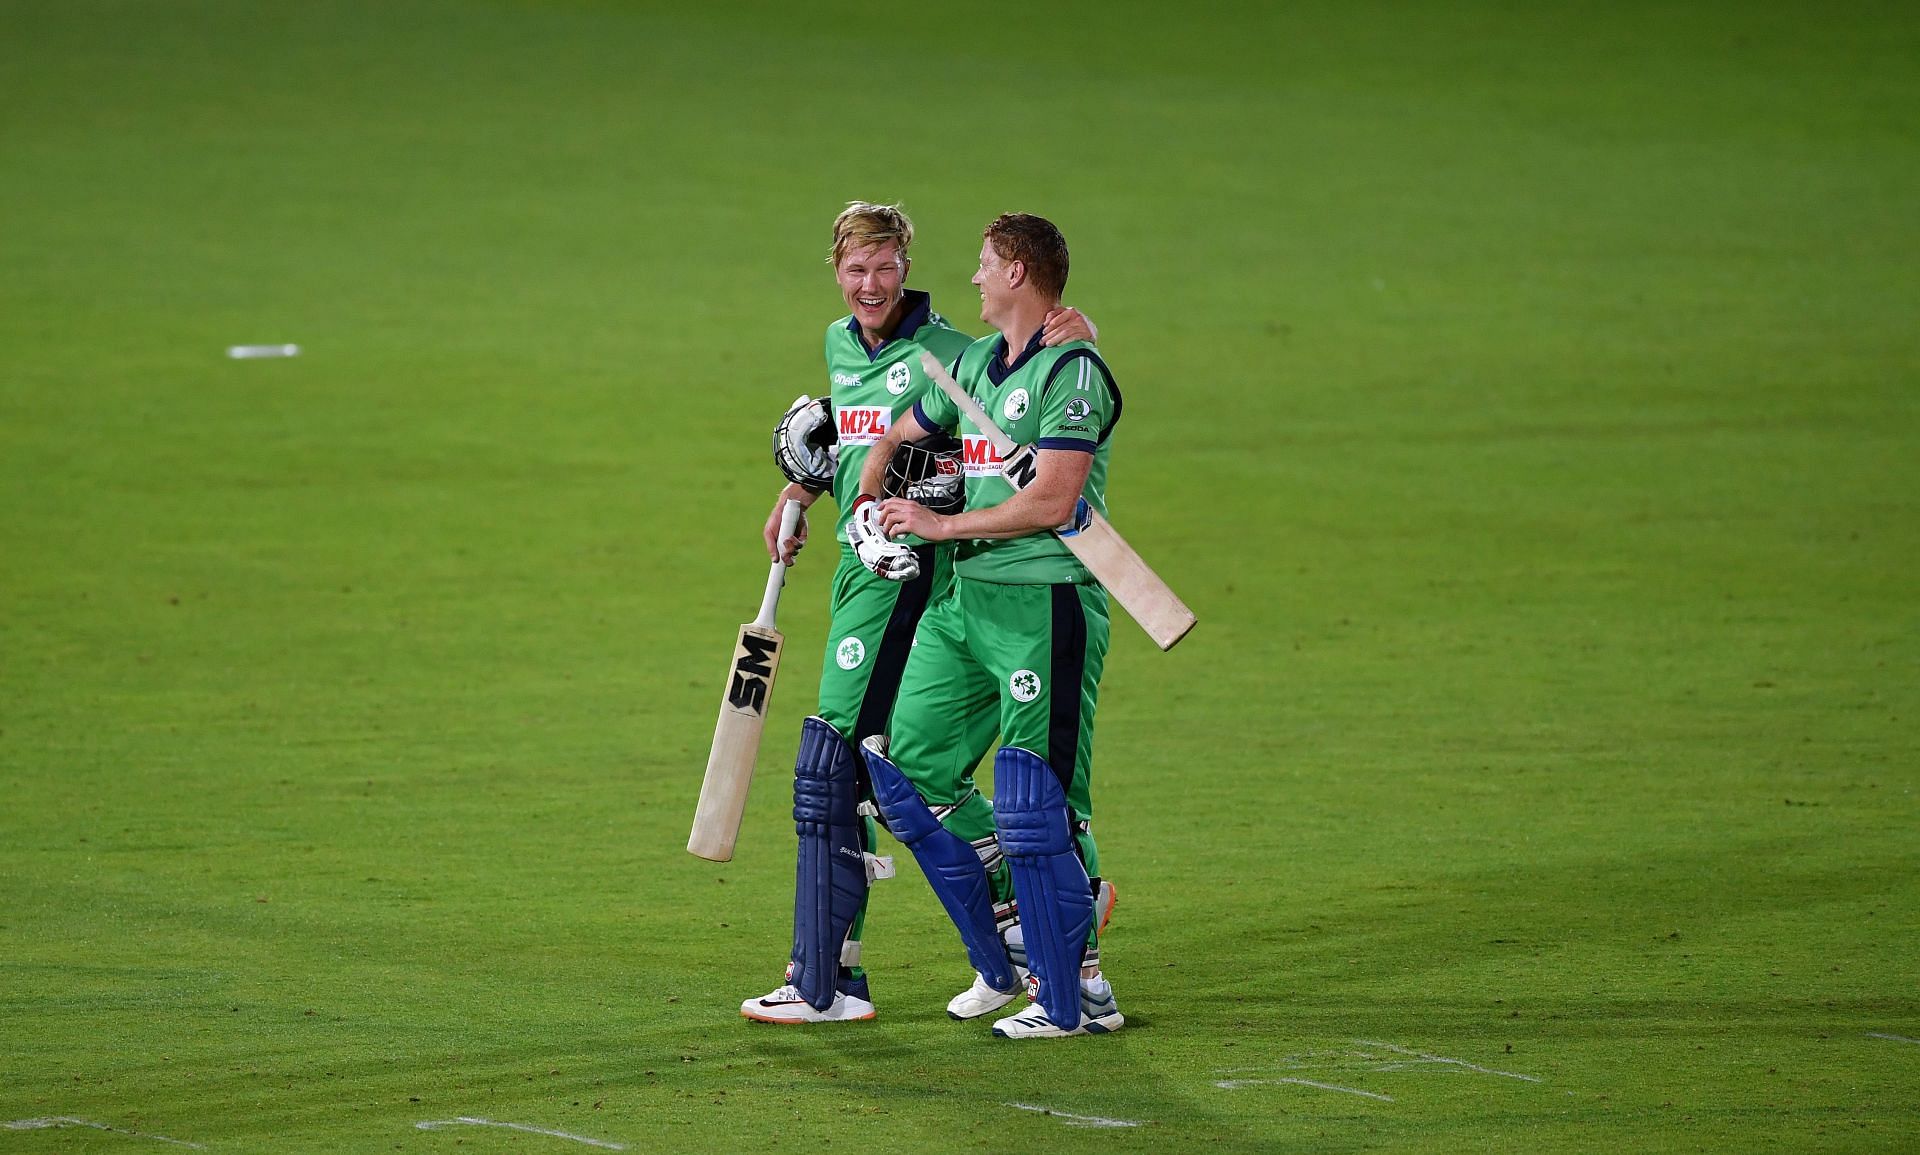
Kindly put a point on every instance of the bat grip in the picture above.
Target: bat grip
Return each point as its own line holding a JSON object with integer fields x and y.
{"x": 777, "y": 574}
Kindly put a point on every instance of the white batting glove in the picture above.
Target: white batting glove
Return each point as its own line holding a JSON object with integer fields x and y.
{"x": 890, "y": 559}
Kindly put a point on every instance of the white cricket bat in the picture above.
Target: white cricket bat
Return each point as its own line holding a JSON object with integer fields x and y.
{"x": 1096, "y": 543}
{"x": 743, "y": 715}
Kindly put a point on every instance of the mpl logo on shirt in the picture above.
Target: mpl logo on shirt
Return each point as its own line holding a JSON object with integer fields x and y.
{"x": 979, "y": 457}
{"x": 863, "y": 425}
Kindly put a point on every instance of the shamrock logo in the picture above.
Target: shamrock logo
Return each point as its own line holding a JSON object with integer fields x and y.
{"x": 1025, "y": 685}
{"x": 850, "y": 654}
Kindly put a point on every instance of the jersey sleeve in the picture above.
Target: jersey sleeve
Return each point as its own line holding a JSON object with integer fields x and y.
{"x": 1077, "y": 407}
{"x": 936, "y": 410}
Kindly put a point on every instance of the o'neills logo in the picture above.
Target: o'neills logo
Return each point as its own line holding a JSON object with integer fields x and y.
{"x": 863, "y": 425}
{"x": 979, "y": 456}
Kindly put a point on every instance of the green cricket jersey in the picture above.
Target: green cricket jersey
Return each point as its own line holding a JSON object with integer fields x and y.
{"x": 1058, "y": 398}
{"x": 870, "y": 387}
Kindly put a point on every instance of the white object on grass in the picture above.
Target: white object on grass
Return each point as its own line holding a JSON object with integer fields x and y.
{"x": 475, "y": 1121}
{"x": 54, "y": 1121}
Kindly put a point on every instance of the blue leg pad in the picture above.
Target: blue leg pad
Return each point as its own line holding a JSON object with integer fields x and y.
{"x": 953, "y": 869}
{"x": 830, "y": 877}
{"x": 1056, "y": 902}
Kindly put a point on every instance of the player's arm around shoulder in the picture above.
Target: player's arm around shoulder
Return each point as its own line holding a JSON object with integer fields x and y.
{"x": 1067, "y": 324}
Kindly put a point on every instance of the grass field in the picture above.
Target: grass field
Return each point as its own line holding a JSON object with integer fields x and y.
{"x": 1526, "y": 397}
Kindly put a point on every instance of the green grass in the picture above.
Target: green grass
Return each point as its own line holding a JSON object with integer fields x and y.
{"x": 1526, "y": 397}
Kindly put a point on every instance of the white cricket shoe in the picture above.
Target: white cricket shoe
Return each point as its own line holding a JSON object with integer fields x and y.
{"x": 1099, "y": 1015}
{"x": 786, "y": 1006}
{"x": 980, "y": 998}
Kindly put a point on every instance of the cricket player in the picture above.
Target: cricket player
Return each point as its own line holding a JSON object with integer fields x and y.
{"x": 880, "y": 590}
{"x": 1017, "y": 648}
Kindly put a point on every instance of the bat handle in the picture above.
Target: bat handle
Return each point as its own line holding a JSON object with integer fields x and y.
{"x": 777, "y": 575}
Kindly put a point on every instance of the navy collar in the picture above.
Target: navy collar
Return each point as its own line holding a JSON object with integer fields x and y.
{"x": 998, "y": 370}
{"x": 916, "y": 308}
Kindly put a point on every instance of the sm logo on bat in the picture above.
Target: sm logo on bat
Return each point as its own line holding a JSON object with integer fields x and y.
{"x": 752, "y": 672}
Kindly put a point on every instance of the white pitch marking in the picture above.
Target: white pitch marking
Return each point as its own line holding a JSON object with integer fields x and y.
{"x": 1075, "y": 1120}
{"x": 1236, "y": 1084}
{"x": 1439, "y": 1059}
{"x": 70, "y": 1121}
{"x": 1895, "y": 1038}
{"x": 472, "y": 1121}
